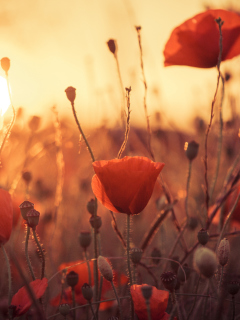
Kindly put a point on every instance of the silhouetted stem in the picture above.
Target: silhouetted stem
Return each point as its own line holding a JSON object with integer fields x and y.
{"x": 128, "y": 248}
{"x": 41, "y": 251}
{"x": 187, "y": 188}
{"x": 91, "y": 307}
{"x": 9, "y": 275}
{"x": 118, "y": 300}
{"x": 148, "y": 309}
{"x": 74, "y": 303}
{"x": 233, "y": 307}
{"x": 88, "y": 266}
{"x": 122, "y": 88}
{"x": 26, "y": 253}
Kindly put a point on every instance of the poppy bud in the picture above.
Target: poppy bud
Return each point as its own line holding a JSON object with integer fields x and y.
{"x": 156, "y": 253}
{"x": 98, "y": 222}
{"x": 33, "y": 218}
{"x": 27, "y": 176}
{"x": 87, "y": 291}
{"x": 169, "y": 280}
{"x": 91, "y": 206}
{"x": 205, "y": 261}
{"x": 223, "y": 252}
{"x": 71, "y": 94}
{"x": 136, "y": 255}
{"x": 34, "y": 123}
{"x": 85, "y": 239}
{"x": 72, "y": 279}
{"x": 25, "y": 207}
{"x": 5, "y": 64}
{"x": 183, "y": 273}
{"x": 203, "y": 236}
{"x": 191, "y": 150}
{"x": 105, "y": 268}
{"x": 64, "y": 309}
{"x": 112, "y": 45}
{"x": 146, "y": 292}
{"x": 233, "y": 287}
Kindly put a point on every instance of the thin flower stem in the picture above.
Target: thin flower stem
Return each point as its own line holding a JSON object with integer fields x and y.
{"x": 116, "y": 229}
{"x": 187, "y": 189}
{"x": 99, "y": 294}
{"x": 195, "y": 298}
{"x": 148, "y": 309}
{"x": 138, "y": 29}
{"x": 118, "y": 300}
{"x": 41, "y": 251}
{"x": 91, "y": 307}
{"x": 9, "y": 275}
{"x": 26, "y": 253}
{"x": 150, "y": 273}
{"x": 122, "y": 87}
{"x": 220, "y": 280}
{"x": 233, "y": 307}
{"x": 211, "y": 117}
{"x": 88, "y": 266}
{"x": 128, "y": 248}
{"x": 73, "y": 303}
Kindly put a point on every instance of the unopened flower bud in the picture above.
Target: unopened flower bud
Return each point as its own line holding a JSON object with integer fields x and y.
{"x": 25, "y": 207}
{"x": 183, "y": 273}
{"x": 233, "y": 287}
{"x": 33, "y": 218}
{"x": 71, "y": 94}
{"x": 223, "y": 252}
{"x": 112, "y": 45}
{"x": 146, "y": 292}
{"x": 5, "y": 64}
{"x": 105, "y": 268}
{"x": 72, "y": 279}
{"x": 85, "y": 239}
{"x": 156, "y": 253}
{"x": 97, "y": 222}
{"x": 203, "y": 236}
{"x": 87, "y": 292}
{"x": 191, "y": 150}
{"x": 27, "y": 176}
{"x": 205, "y": 262}
{"x": 91, "y": 206}
{"x": 34, "y": 123}
{"x": 169, "y": 280}
{"x": 136, "y": 255}
{"x": 64, "y": 309}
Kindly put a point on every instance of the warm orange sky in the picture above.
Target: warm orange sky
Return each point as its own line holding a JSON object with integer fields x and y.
{"x": 56, "y": 44}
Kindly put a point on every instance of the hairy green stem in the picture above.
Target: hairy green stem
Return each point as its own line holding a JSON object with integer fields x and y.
{"x": 26, "y": 254}
{"x": 9, "y": 275}
{"x": 41, "y": 251}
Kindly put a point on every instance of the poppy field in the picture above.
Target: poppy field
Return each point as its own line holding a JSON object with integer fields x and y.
{"x": 126, "y": 222}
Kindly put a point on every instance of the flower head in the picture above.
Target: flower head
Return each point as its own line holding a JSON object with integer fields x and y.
{"x": 158, "y": 303}
{"x": 125, "y": 185}
{"x": 6, "y": 216}
{"x": 21, "y": 300}
{"x": 195, "y": 42}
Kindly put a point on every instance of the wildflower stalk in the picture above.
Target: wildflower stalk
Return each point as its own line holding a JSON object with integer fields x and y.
{"x": 138, "y": 29}
{"x": 195, "y": 298}
{"x": 95, "y": 213}
{"x": 128, "y": 248}
{"x": 91, "y": 307}
{"x": 26, "y": 254}
{"x": 233, "y": 307}
{"x": 148, "y": 309}
{"x": 99, "y": 293}
{"x": 118, "y": 300}
{"x": 88, "y": 266}
{"x": 220, "y": 23}
{"x": 187, "y": 188}
{"x": 116, "y": 229}
{"x": 74, "y": 303}
{"x": 220, "y": 280}
{"x": 41, "y": 251}
{"x": 9, "y": 275}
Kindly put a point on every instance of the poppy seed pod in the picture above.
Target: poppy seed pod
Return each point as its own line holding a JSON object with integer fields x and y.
{"x": 92, "y": 206}
{"x": 105, "y": 268}
{"x": 64, "y": 309}
{"x": 112, "y": 46}
{"x": 85, "y": 239}
{"x": 72, "y": 279}
{"x": 5, "y": 64}
{"x": 203, "y": 236}
{"x": 146, "y": 292}
{"x": 169, "y": 280}
{"x": 87, "y": 291}
{"x": 191, "y": 150}
{"x": 71, "y": 94}
{"x": 205, "y": 262}
{"x": 136, "y": 255}
{"x": 156, "y": 253}
{"x": 97, "y": 221}
{"x": 233, "y": 287}
{"x": 25, "y": 207}
{"x": 27, "y": 176}
{"x": 33, "y": 218}
{"x": 223, "y": 252}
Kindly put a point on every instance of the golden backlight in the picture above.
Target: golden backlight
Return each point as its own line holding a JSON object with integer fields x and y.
{"x": 4, "y": 96}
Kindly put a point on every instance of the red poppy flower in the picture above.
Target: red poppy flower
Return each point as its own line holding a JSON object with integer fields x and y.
{"x": 21, "y": 299}
{"x": 6, "y": 216}
{"x": 195, "y": 42}
{"x": 125, "y": 185}
{"x": 158, "y": 303}
{"x": 82, "y": 271}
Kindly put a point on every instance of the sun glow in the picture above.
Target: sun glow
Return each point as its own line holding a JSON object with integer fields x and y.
{"x": 4, "y": 96}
